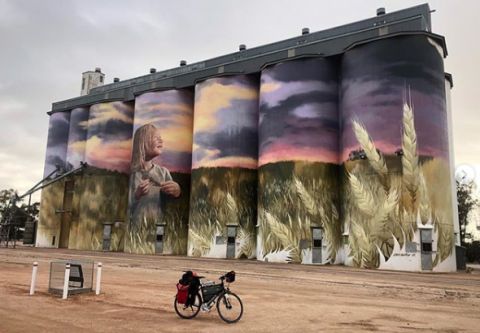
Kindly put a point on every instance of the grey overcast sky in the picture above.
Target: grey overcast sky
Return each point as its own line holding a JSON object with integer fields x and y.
{"x": 46, "y": 45}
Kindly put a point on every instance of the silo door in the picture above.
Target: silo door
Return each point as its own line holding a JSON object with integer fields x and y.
{"x": 231, "y": 234}
{"x": 426, "y": 249}
{"x": 107, "y": 236}
{"x": 66, "y": 212}
{"x": 159, "y": 239}
{"x": 317, "y": 236}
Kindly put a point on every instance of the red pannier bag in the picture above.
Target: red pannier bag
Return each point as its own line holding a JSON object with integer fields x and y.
{"x": 182, "y": 293}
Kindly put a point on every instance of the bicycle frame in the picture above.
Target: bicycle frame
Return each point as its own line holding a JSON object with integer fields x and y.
{"x": 225, "y": 290}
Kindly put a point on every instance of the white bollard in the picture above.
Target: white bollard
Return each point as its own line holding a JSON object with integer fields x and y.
{"x": 65, "y": 281}
{"x": 99, "y": 278}
{"x": 34, "y": 278}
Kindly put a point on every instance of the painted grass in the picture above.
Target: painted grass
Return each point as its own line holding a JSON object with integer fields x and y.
{"x": 222, "y": 196}
{"x": 293, "y": 197}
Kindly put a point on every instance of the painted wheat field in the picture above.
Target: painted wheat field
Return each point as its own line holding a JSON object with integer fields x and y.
{"x": 222, "y": 196}
{"x": 295, "y": 196}
{"x": 141, "y": 240}
{"x": 101, "y": 196}
{"x": 386, "y": 198}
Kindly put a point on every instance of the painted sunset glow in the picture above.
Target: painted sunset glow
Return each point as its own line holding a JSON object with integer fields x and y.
{"x": 298, "y": 112}
{"x": 226, "y": 123}
{"x": 374, "y": 85}
{"x": 57, "y": 141}
{"x": 109, "y": 137}
{"x": 172, "y": 112}
{"x": 77, "y": 137}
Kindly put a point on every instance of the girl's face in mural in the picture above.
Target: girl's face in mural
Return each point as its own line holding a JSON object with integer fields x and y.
{"x": 154, "y": 145}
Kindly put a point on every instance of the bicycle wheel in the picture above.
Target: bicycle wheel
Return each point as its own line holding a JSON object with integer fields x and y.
{"x": 188, "y": 312}
{"x": 230, "y": 307}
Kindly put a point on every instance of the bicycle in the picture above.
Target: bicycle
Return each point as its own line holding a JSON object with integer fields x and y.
{"x": 205, "y": 295}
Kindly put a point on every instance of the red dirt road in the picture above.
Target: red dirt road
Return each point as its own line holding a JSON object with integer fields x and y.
{"x": 137, "y": 296}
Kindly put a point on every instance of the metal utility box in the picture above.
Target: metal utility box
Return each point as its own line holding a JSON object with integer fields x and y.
{"x": 426, "y": 248}
{"x": 231, "y": 236}
{"x": 160, "y": 238}
{"x": 317, "y": 237}
{"x": 80, "y": 278}
{"x": 107, "y": 236}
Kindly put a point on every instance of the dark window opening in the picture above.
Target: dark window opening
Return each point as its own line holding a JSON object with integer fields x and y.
{"x": 159, "y": 238}
{"x": 101, "y": 79}
{"x": 53, "y": 241}
{"x": 231, "y": 240}
{"x": 426, "y": 247}
{"x": 317, "y": 243}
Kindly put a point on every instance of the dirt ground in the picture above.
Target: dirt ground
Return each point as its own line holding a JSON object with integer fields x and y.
{"x": 138, "y": 291}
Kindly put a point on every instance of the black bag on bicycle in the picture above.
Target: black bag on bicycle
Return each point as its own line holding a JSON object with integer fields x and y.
{"x": 208, "y": 292}
{"x": 191, "y": 280}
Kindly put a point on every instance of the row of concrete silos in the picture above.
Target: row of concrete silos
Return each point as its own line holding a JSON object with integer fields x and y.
{"x": 316, "y": 160}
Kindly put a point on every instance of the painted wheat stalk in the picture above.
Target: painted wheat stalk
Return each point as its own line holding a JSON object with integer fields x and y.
{"x": 424, "y": 202}
{"x": 286, "y": 237}
{"x": 312, "y": 207}
{"x": 333, "y": 231}
{"x": 410, "y": 166}
{"x": 386, "y": 208}
{"x": 232, "y": 209}
{"x": 248, "y": 243}
{"x": 199, "y": 244}
{"x": 363, "y": 197}
{"x": 367, "y": 254}
{"x": 445, "y": 241}
{"x": 375, "y": 158}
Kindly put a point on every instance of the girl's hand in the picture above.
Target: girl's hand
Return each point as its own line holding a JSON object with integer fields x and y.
{"x": 170, "y": 188}
{"x": 142, "y": 189}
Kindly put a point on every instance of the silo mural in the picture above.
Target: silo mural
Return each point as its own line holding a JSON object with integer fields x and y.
{"x": 48, "y": 232}
{"x": 75, "y": 154}
{"x": 77, "y": 137}
{"x": 397, "y": 185}
{"x": 104, "y": 185}
{"x": 224, "y": 163}
{"x": 57, "y": 142}
{"x": 109, "y": 136}
{"x": 298, "y": 214}
{"x": 160, "y": 173}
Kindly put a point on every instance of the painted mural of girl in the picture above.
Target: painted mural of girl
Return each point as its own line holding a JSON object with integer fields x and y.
{"x": 150, "y": 183}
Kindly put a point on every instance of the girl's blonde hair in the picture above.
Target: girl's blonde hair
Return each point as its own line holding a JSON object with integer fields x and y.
{"x": 143, "y": 136}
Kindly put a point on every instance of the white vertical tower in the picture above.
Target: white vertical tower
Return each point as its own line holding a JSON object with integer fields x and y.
{"x": 92, "y": 79}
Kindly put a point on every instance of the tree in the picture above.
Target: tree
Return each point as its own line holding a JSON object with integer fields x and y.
{"x": 5, "y": 197}
{"x": 15, "y": 211}
{"x": 466, "y": 203}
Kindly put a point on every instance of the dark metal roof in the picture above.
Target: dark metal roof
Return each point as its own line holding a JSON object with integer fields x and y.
{"x": 330, "y": 42}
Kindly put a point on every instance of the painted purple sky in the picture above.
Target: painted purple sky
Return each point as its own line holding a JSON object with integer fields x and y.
{"x": 57, "y": 141}
{"x": 374, "y": 80}
{"x": 172, "y": 112}
{"x": 109, "y": 137}
{"x": 298, "y": 112}
{"x": 226, "y": 122}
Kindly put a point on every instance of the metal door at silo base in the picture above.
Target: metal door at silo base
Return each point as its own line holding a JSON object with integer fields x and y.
{"x": 231, "y": 235}
{"x": 426, "y": 249}
{"x": 107, "y": 236}
{"x": 160, "y": 232}
{"x": 317, "y": 235}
